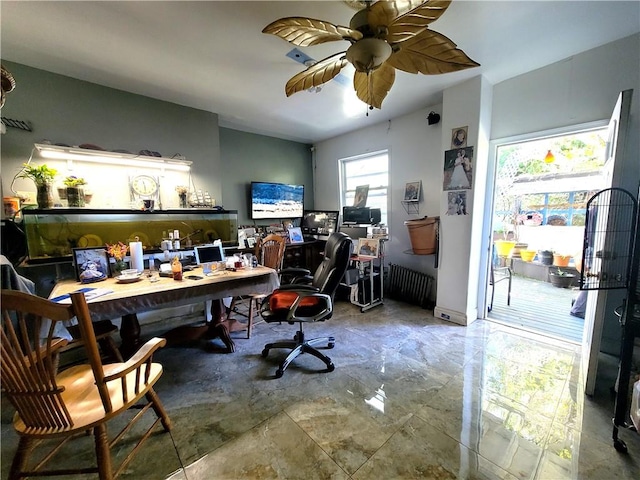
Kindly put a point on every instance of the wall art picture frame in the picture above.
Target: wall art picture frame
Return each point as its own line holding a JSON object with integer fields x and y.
{"x": 458, "y": 169}
{"x": 412, "y": 191}
{"x": 368, "y": 247}
{"x": 459, "y": 137}
{"x": 91, "y": 264}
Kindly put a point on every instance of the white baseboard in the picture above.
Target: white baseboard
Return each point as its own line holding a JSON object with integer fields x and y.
{"x": 451, "y": 316}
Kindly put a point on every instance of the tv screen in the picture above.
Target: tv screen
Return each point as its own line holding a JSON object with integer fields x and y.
{"x": 319, "y": 222}
{"x": 276, "y": 200}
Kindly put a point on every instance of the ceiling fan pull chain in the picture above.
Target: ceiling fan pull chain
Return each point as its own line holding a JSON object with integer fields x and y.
{"x": 370, "y": 90}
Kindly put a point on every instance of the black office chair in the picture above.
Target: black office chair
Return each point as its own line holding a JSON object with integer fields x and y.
{"x": 297, "y": 302}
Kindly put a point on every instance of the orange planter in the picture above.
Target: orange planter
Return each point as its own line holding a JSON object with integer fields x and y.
{"x": 561, "y": 260}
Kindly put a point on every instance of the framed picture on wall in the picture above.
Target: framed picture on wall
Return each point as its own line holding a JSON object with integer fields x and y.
{"x": 91, "y": 264}
{"x": 412, "y": 191}
{"x": 459, "y": 137}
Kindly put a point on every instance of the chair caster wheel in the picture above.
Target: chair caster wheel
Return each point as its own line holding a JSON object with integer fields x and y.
{"x": 265, "y": 352}
{"x": 331, "y": 367}
{"x": 331, "y": 345}
{"x": 279, "y": 373}
{"x": 620, "y": 446}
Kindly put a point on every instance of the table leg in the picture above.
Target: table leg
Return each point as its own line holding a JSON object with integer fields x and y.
{"x": 130, "y": 334}
{"x": 216, "y": 328}
{"x": 219, "y": 327}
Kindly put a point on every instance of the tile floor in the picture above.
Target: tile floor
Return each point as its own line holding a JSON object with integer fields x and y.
{"x": 411, "y": 397}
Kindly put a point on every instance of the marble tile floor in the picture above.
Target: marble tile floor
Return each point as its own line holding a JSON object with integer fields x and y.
{"x": 411, "y": 397}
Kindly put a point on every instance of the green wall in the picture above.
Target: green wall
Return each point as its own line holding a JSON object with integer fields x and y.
{"x": 70, "y": 111}
{"x": 248, "y": 157}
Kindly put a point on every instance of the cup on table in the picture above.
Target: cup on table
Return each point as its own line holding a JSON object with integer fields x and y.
{"x": 154, "y": 276}
{"x": 207, "y": 268}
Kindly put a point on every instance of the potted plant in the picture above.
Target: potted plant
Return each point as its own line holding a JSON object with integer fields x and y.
{"x": 545, "y": 257}
{"x": 74, "y": 191}
{"x": 42, "y": 176}
{"x": 561, "y": 279}
{"x": 561, "y": 260}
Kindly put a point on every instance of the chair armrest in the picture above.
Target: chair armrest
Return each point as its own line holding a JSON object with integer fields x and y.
{"x": 141, "y": 356}
{"x": 298, "y": 287}
{"x": 297, "y": 271}
{"x": 295, "y": 275}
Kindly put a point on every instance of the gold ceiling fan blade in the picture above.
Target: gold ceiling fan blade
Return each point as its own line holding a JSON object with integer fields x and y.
{"x": 317, "y": 74}
{"x": 372, "y": 88}
{"x": 413, "y": 14}
{"x": 414, "y": 22}
{"x": 305, "y": 32}
{"x": 357, "y": 4}
{"x": 430, "y": 53}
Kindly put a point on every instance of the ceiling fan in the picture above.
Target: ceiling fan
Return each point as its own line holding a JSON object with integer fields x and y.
{"x": 384, "y": 36}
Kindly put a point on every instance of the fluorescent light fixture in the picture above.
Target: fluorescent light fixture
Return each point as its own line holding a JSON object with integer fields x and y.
{"x": 111, "y": 158}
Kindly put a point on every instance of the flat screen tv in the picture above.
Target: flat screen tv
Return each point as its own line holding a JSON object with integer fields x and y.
{"x": 319, "y": 222}
{"x": 276, "y": 200}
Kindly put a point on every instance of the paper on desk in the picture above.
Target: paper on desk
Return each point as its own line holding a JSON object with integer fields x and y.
{"x": 89, "y": 294}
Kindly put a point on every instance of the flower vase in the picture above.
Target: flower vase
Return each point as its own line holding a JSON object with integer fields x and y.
{"x": 118, "y": 267}
{"x": 183, "y": 200}
{"x": 44, "y": 195}
{"x": 75, "y": 196}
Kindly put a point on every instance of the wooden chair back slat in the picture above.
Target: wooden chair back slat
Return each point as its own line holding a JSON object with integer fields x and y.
{"x": 91, "y": 346}
{"x": 28, "y": 364}
{"x": 271, "y": 251}
{"x": 62, "y": 404}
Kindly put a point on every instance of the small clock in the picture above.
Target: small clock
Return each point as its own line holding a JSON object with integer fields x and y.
{"x": 144, "y": 185}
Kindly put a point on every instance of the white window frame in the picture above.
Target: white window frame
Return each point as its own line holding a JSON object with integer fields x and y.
{"x": 373, "y": 189}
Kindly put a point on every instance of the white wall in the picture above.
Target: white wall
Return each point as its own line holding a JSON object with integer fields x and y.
{"x": 414, "y": 154}
{"x": 580, "y": 89}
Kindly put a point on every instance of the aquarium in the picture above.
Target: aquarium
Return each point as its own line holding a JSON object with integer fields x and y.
{"x": 53, "y": 233}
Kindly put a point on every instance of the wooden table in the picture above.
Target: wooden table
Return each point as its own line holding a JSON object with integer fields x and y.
{"x": 128, "y": 299}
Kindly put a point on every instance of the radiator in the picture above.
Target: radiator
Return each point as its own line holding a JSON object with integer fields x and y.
{"x": 409, "y": 286}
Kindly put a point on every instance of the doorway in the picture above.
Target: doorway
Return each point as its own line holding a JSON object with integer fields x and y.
{"x": 542, "y": 184}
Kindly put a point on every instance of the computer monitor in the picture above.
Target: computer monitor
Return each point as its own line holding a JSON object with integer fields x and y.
{"x": 319, "y": 222}
{"x": 208, "y": 253}
{"x": 354, "y": 232}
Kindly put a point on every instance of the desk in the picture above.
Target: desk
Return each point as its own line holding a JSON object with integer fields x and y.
{"x": 128, "y": 299}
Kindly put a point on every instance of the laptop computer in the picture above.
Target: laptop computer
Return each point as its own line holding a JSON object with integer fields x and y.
{"x": 208, "y": 253}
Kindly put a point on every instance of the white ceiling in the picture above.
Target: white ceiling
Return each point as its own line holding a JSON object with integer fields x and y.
{"x": 213, "y": 56}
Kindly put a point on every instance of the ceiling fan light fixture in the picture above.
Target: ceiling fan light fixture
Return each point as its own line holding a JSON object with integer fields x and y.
{"x": 368, "y": 54}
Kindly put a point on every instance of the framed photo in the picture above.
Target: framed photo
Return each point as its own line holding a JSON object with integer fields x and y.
{"x": 295, "y": 235}
{"x": 368, "y": 247}
{"x": 412, "y": 191}
{"x": 92, "y": 264}
{"x": 459, "y": 137}
{"x": 360, "y": 198}
{"x": 250, "y": 242}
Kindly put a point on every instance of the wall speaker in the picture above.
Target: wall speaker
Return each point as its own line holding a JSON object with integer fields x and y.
{"x": 433, "y": 118}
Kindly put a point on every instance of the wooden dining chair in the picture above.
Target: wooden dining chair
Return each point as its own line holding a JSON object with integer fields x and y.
{"x": 83, "y": 398}
{"x": 270, "y": 253}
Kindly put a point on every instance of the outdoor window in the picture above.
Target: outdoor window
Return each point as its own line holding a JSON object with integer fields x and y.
{"x": 372, "y": 170}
